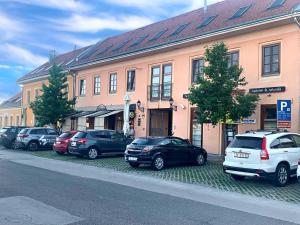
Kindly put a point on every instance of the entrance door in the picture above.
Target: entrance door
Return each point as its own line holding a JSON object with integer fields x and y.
{"x": 161, "y": 122}
{"x": 269, "y": 117}
{"x": 196, "y": 130}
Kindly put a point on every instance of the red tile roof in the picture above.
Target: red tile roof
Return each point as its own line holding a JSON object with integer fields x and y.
{"x": 12, "y": 102}
{"x": 224, "y": 11}
{"x": 64, "y": 60}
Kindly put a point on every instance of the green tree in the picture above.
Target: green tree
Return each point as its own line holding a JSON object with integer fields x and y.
{"x": 52, "y": 106}
{"x": 218, "y": 95}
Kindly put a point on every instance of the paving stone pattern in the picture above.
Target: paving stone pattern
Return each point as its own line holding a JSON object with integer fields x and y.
{"x": 210, "y": 175}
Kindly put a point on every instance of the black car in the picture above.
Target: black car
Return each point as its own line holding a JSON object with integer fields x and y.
{"x": 8, "y": 135}
{"x": 159, "y": 152}
{"x": 98, "y": 142}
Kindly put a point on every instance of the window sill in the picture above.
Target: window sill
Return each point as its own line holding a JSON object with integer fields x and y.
{"x": 130, "y": 90}
{"x": 270, "y": 75}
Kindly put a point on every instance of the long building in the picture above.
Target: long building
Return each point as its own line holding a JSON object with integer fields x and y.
{"x": 10, "y": 111}
{"x": 157, "y": 64}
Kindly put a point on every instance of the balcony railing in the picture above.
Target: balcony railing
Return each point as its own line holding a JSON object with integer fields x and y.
{"x": 158, "y": 92}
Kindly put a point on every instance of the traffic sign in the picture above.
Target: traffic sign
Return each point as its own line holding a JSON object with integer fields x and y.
{"x": 284, "y": 113}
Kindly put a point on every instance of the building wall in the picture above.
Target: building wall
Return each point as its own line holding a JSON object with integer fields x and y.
{"x": 32, "y": 87}
{"x": 250, "y": 58}
{"x": 12, "y": 115}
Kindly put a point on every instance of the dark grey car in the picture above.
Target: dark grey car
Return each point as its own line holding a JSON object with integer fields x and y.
{"x": 29, "y": 138}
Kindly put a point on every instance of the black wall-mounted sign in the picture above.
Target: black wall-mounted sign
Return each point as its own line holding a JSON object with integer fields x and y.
{"x": 267, "y": 90}
{"x": 185, "y": 96}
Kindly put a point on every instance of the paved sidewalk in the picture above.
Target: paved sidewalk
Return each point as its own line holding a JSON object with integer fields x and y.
{"x": 264, "y": 207}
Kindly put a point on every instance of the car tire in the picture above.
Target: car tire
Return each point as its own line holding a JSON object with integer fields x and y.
{"x": 282, "y": 175}
{"x": 237, "y": 177}
{"x": 13, "y": 145}
{"x": 134, "y": 165}
{"x": 33, "y": 146}
{"x": 158, "y": 163}
{"x": 60, "y": 153}
{"x": 200, "y": 159}
{"x": 92, "y": 153}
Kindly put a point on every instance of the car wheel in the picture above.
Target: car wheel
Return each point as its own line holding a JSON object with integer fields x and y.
{"x": 237, "y": 177}
{"x": 13, "y": 145}
{"x": 281, "y": 175}
{"x": 134, "y": 165}
{"x": 33, "y": 146}
{"x": 200, "y": 159}
{"x": 60, "y": 153}
{"x": 92, "y": 153}
{"x": 158, "y": 163}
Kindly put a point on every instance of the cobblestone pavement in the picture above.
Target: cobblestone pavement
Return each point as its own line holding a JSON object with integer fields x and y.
{"x": 209, "y": 175}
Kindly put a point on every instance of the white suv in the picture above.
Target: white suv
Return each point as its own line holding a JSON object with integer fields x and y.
{"x": 263, "y": 154}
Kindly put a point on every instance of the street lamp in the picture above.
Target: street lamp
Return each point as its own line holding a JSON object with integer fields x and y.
{"x": 139, "y": 106}
{"x": 171, "y": 101}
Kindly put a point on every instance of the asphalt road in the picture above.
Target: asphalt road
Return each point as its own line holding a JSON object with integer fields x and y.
{"x": 99, "y": 202}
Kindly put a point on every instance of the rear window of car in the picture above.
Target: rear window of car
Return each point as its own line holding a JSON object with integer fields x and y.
{"x": 23, "y": 131}
{"x": 246, "y": 142}
{"x": 80, "y": 135}
{"x": 66, "y": 135}
{"x": 146, "y": 141}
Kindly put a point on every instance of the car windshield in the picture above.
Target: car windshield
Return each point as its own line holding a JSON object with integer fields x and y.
{"x": 3, "y": 130}
{"x": 23, "y": 131}
{"x": 80, "y": 135}
{"x": 146, "y": 141}
{"x": 246, "y": 142}
{"x": 66, "y": 135}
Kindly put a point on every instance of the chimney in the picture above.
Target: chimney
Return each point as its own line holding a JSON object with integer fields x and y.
{"x": 52, "y": 56}
{"x": 205, "y": 6}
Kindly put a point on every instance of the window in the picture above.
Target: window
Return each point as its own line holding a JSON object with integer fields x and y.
{"x": 52, "y": 132}
{"x": 179, "y": 29}
{"x": 155, "y": 83}
{"x": 28, "y": 97}
{"x": 197, "y": 69}
{"x": 207, "y": 21}
{"x": 38, "y": 131}
{"x": 82, "y": 87}
{"x": 36, "y": 93}
{"x": 271, "y": 60}
{"x": 276, "y": 3}
{"x": 139, "y": 41}
{"x": 179, "y": 142}
{"x": 11, "y": 120}
{"x": 167, "y": 81}
{"x": 287, "y": 142}
{"x": 120, "y": 46}
{"x": 233, "y": 59}
{"x": 240, "y": 12}
{"x": 296, "y": 139}
{"x": 158, "y": 35}
{"x": 131, "y": 80}
{"x": 246, "y": 142}
{"x": 97, "y": 85}
{"x": 113, "y": 83}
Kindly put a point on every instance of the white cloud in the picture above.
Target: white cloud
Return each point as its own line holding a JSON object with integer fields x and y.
{"x": 79, "y": 42}
{"x": 20, "y": 55}
{"x": 80, "y": 23}
{"x": 66, "y": 5}
{"x": 9, "y": 27}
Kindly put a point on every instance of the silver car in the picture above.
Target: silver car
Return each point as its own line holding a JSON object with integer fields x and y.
{"x": 28, "y": 138}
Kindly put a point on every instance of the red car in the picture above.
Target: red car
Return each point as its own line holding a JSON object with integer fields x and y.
{"x": 62, "y": 142}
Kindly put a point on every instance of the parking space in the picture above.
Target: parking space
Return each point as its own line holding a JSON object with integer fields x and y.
{"x": 209, "y": 175}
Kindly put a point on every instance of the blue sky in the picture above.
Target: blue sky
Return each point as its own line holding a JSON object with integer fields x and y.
{"x": 30, "y": 29}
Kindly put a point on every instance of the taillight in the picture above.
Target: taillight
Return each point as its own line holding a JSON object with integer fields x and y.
{"x": 147, "y": 149}
{"x": 23, "y": 135}
{"x": 264, "y": 154}
{"x": 299, "y": 162}
{"x": 82, "y": 141}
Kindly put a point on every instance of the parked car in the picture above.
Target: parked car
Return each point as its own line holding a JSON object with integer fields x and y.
{"x": 263, "y": 154}
{"x": 47, "y": 141}
{"x": 159, "y": 152}
{"x": 61, "y": 144}
{"x": 298, "y": 171}
{"x": 8, "y": 135}
{"x": 98, "y": 142}
{"x": 28, "y": 138}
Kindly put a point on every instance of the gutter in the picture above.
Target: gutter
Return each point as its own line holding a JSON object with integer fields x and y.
{"x": 191, "y": 39}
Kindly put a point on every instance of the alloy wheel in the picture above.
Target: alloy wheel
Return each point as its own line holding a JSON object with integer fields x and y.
{"x": 93, "y": 153}
{"x": 282, "y": 175}
{"x": 159, "y": 163}
{"x": 200, "y": 159}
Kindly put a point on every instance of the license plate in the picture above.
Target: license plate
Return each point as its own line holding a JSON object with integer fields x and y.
{"x": 73, "y": 143}
{"x": 132, "y": 158}
{"x": 242, "y": 155}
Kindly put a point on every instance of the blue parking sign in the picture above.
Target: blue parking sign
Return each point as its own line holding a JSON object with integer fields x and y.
{"x": 284, "y": 113}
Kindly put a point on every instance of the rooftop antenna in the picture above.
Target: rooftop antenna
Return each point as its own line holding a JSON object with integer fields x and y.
{"x": 205, "y": 6}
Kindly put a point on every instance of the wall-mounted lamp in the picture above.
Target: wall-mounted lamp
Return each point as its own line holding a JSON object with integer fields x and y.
{"x": 139, "y": 106}
{"x": 172, "y": 106}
